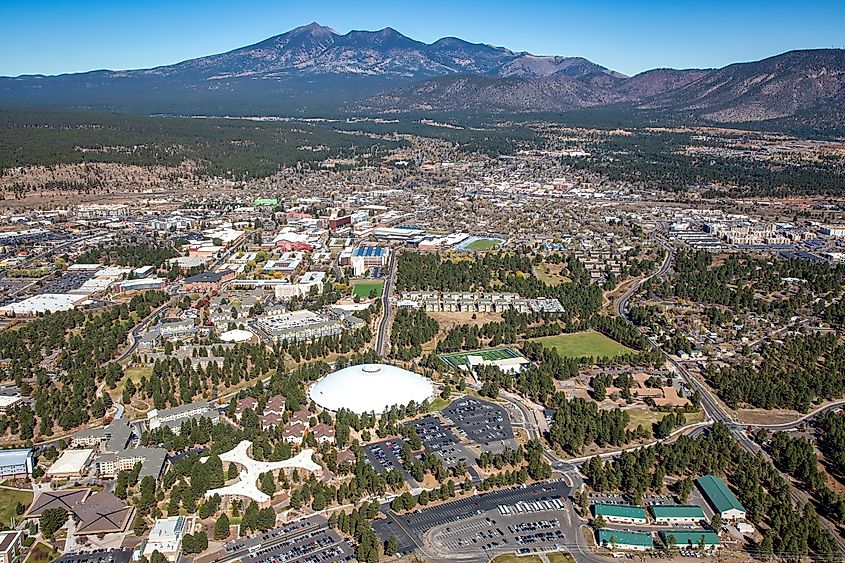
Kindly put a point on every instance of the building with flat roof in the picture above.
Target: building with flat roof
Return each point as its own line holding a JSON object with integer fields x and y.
{"x": 166, "y": 536}
{"x": 368, "y": 257}
{"x": 207, "y": 281}
{"x": 624, "y": 540}
{"x": 11, "y": 545}
{"x": 43, "y": 303}
{"x": 16, "y": 463}
{"x": 71, "y": 463}
{"x": 720, "y": 498}
{"x": 694, "y": 539}
{"x": 173, "y": 417}
{"x": 620, "y": 513}
{"x": 668, "y": 515}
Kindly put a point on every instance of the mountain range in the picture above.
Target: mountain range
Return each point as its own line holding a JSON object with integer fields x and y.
{"x": 312, "y": 70}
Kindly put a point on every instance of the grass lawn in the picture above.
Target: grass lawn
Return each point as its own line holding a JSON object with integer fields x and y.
{"x": 647, "y": 417}
{"x": 438, "y": 403}
{"x": 134, "y": 374}
{"x": 513, "y": 558}
{"x": 362, "y": 288}
{"x": 581, "y": 344}
{"x": 560, "y": 558}
{"x": 9, "y": 499}
{"x": 548, "y": 277}
{"x": 39, "y": 553}
{"x": 482, "y": 244}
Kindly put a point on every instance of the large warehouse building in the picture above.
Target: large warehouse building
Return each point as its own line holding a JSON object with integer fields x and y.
{"x": 370, "y": 388}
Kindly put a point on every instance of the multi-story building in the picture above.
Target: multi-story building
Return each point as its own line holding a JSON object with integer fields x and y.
{"x": 11, "y": 543}
{"x": 174, "y": 417}
{"x": 16, "y": 463}
{"x": 152, "y": 462}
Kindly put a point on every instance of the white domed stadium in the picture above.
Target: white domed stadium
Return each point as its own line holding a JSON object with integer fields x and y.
{"x": 370, "y": 388}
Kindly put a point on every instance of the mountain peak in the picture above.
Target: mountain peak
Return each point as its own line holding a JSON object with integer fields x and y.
{"x": 313, "y": 28}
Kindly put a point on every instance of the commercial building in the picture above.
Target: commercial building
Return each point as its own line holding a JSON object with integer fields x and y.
{"x": 140, "y": 284}
{"x": 720, "y": 498}
{"x": 43, "y": 303}
{"x": 620, "y": 513}
{"x": 11, "y": 543}
{"x": 370, "y": 388}
{"x": 672, "y": 515}
{"x": 166, "y": 536}
{"x": 624, "y": 540}
{"x": 368, "y": 257}
{"x": 16, "y": 463}
{"x": 71, "y": 463}
{"x": 101, "y": 211}
{"x": 173, "y": 417}
{"x": 693, "y": 539}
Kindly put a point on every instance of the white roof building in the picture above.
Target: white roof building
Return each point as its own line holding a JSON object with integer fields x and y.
{"x": 71, "y": 463}
{"x": 43, "y": 303}
{"x": 370, "y": 388}
{"x": 166, "y": 536}
{"x": 246, "y": 486}
{"x": 236, "y": 335}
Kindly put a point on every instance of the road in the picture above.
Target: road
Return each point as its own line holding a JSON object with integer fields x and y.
{"x": 713, "y": 409}
{"x": 383, "y": 337}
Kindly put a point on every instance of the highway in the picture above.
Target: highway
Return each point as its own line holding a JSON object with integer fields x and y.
{"x": 383, "y": 336}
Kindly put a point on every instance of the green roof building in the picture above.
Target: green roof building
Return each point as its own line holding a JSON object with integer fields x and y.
{"x": 265, "y": 202}
{"x": 720, "y": 498}
{"x": 624, "y": 540}
{"x": 677, "y": 514}
{"x": 696, "y": 539}
{"x": 621, "y": 513}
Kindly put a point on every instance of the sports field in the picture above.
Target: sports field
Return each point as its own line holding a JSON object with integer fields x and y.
{"x": 583, "y": 344}
{"x": 362, "y": 288}
{"x": 479, "y": 244}
{"x": 458, "y": 359}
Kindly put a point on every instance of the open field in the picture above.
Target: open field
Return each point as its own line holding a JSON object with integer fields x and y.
{"x": 647, "y": 417}
{"x": 457, "y": 359}
{"x": 362, "y": 288}
{"x": 550, "y": 274}
{"x": 9, "y": 499}
{"x": 583, "y": 344}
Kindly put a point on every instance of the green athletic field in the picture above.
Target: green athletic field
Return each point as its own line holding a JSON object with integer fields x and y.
{"x": 482, "y": 244}
{"x": 583, "y": 344}
{"x": 362, "y": 288}
{"x": 458, "y": 359}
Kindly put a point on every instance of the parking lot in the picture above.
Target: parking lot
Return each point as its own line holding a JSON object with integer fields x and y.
{"x": 441, "y": 441}
{"x": 68, "y": 281}
{"x": 482, "y": 423}
{"x": 387, "y": 455}
{"x": 409, "y": 528}
{"x": 308, "y": 541}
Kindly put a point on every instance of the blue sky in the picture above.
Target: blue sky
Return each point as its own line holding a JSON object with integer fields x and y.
{"x": 56, "y": 36}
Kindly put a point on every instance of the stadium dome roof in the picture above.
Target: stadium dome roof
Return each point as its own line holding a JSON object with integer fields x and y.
{"x": 236, "y": 335}
{"x": 370, "y": 388}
